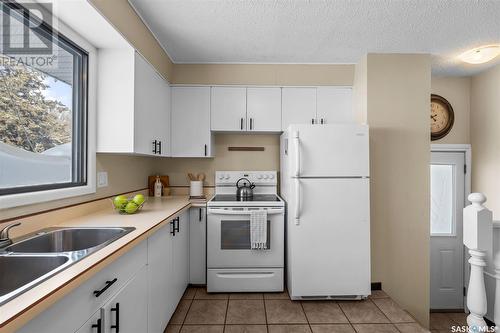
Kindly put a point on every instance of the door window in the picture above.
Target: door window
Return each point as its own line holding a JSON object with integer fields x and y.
{"x": 442, "y": 200}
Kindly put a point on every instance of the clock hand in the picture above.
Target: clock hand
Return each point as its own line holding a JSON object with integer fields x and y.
{"x": 433, "y": 117}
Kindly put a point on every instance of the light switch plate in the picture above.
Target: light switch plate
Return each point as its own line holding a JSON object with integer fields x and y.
{"x": 102, "y": 179}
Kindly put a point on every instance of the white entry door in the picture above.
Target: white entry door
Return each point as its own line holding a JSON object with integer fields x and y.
{"x": 447, "y": 251}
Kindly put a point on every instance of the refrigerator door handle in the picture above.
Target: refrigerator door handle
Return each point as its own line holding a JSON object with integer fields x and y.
{"x": 297, "y": 201}
{"x": 297, "y": 153}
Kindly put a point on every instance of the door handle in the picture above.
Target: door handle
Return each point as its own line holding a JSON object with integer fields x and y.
{"x": 297, "y": 153}
{"x": 116, "y": 309}
{"x": 154, "y": 147}
{"x": 98, "y": 325}
{"x": 172, "y": 227}
{"x": 297, "y": 201}
{"x": 199, "y": 218}
{"x": 176, "y": 222}
{"x": 98, "y": 293}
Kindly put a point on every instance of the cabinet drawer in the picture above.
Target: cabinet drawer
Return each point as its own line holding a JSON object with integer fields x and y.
{"x": 73, "y": 310}
{"x": 245, "y": 280}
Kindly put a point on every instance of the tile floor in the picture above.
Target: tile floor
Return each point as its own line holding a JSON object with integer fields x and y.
{"x": 442, "y": 322}
{"x": 200, "y": 312}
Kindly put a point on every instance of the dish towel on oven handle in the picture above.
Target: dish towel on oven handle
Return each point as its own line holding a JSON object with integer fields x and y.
{"x": 258, "y": 229}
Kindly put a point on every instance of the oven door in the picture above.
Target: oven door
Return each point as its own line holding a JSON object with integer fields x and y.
{"x": 228, "y": 238}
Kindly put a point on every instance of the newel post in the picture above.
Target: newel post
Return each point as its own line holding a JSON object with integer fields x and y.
{"x": 478, "y": 229}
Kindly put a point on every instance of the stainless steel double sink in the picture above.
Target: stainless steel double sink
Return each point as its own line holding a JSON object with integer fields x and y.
{"x": 39, "y": 256}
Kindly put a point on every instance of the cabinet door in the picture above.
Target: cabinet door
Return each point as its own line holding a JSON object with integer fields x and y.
{"x": 334, "y": 105}
{"x": 160, "y": 286}
{"x": 92, "y": 325}
{"x": 264, "y": 109}
{"x": 197, "y": 245}
{"x": 228, "y": 109}
{"x": 127, "y": 312}
{"x": 191, "y": 135}
{"x": 298, "y": 106}
{"x": 162, "y": 125}
{"x": 181, "y": 256}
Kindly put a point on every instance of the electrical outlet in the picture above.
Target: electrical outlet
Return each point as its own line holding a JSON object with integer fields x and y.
{"x": 102, "y": 179}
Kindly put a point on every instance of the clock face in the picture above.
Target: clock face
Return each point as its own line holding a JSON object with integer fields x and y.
{"x": 442, "y": 117}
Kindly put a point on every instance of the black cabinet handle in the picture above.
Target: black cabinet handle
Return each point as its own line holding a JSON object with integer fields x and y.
{"x": 205, "y": 150}
{"x": 98, "y": 293}
{"x": 251, "y": 123}
{"x": 154, "y": 146}
{"x": 98, "y": 325}
{"x": 241, "y": 124}
{"x": 312, "y": 121}
{"x": 116, "y": 309}
{"x": 176, "y": 221}
{"x": 172, "y": 227}
{"x": 322, "y": 121}
{"x": 199, "y": 218}
{"x": 159, "y": 147}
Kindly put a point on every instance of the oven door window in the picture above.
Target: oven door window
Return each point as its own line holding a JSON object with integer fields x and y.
{"x": 235, "y": 235}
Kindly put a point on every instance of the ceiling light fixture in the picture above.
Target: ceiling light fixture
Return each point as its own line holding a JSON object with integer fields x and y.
{"x": 480, "y": 55}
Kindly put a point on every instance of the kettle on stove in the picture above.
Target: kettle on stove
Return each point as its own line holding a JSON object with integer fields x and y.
{"x": 245, "y": 191}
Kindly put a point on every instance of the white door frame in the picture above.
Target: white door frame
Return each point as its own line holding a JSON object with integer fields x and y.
{"x": 467, "y": 150}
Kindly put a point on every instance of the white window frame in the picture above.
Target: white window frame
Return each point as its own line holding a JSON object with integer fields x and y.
{"x": 27, "y": 198}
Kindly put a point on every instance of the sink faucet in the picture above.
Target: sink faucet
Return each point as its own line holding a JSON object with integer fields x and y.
{"x": 4, "y": 235}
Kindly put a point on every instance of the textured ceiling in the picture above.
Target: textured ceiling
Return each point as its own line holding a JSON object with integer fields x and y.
{"x": 321, "y": 31}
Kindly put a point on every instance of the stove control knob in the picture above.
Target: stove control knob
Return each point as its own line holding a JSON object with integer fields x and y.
{"x": 221, "y": 177}
{"x": 271, "y": 176}
{"x": 227, "y": 177}
{"x": 265, "y": 176}
{"x": 259, "y": 176}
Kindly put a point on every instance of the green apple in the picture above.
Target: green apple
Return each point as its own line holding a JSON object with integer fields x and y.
{"x": 138, "y": 199}
{"x": 131, "y": 207}
{"x": 120, "y": 201}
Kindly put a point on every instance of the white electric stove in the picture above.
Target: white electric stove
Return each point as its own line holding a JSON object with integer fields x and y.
{"x": 232, "y": 266}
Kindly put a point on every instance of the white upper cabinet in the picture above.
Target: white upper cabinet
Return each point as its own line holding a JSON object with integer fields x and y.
{"x": 191, "y": 136}
{"x": 152, "y": 110}
{"x": 264, "y": 109}
{"x": 298, "y": 106}
{"x": 228, "y": 109}
{"x": 334, "y": 105}
{"x": 133, "y": 105}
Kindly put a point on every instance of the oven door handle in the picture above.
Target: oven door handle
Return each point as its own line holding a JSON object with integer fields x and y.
{"x": 213, "y": 211}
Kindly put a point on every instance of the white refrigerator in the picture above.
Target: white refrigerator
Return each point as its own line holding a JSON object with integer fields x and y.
{"x": 326, "y": 185}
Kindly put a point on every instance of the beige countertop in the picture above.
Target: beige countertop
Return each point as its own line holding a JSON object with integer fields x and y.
{"x": 155, "y": 213}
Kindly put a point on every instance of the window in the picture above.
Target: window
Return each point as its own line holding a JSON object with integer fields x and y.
{"x": 442, "y": 198}
{"x": 43, "y": 104}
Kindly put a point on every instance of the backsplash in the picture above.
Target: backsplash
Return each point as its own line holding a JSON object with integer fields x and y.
{"x": 177, "y": 168}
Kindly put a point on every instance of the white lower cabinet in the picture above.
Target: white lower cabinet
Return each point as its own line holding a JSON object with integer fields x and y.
{"x": 138, "y": 292}
{"x": 197, "y": 245}
{"x": 181, "y": 256}
{"x": 126, "y": 312}
{"x": 160, "y": 286}
{"x": 168, "y": 265}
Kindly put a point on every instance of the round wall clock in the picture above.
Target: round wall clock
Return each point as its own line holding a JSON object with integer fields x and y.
{"x": 442, "y": 117}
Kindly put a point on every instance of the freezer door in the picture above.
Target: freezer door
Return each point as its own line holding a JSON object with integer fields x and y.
{"x": 334, "y": 150}
{"x": 329, "y": 240}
